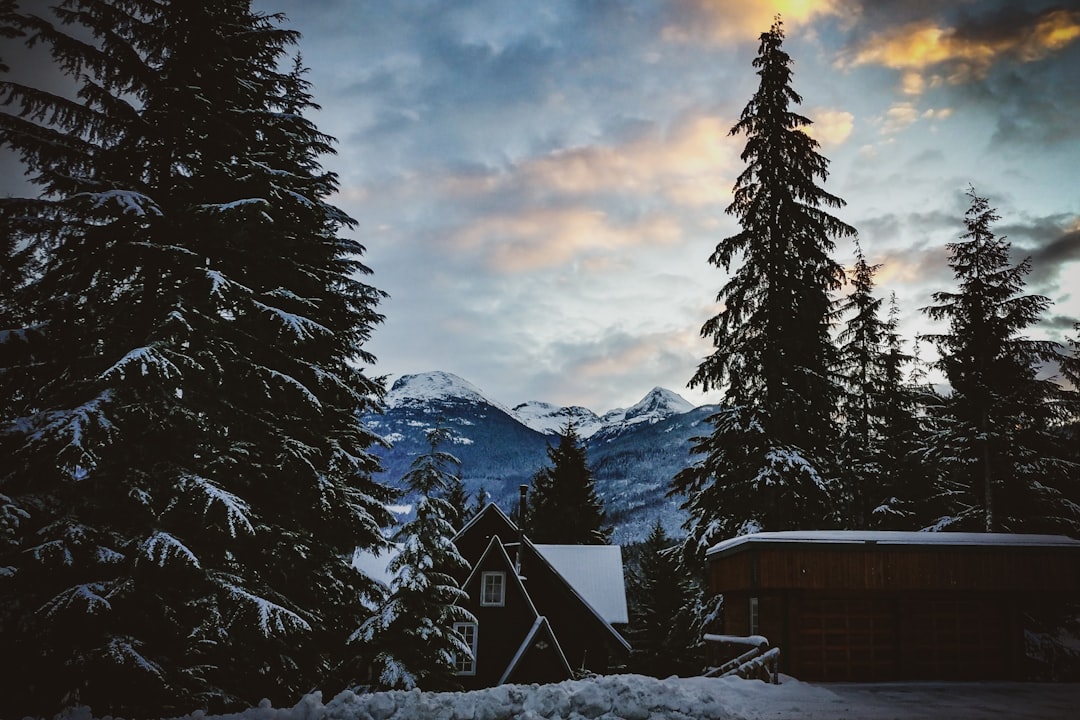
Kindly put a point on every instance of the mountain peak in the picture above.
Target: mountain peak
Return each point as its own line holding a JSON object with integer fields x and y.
{"x": 660, "y": 402}
{"x": 434, "y": 385}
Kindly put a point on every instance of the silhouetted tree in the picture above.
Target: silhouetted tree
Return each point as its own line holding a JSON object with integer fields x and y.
{"x": 997, "y": 434}
{"x": 768, "y": 464}
{"x": 563, "y": 507}
{"x": 659, "y": 591}
{"x": 905, "y": 496}
{"x": 184, "y": 473}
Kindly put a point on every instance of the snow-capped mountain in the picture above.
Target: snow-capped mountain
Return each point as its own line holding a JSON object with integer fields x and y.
{"x": 434, "y": 387}
{"x": 634, "y": 452}
{"x": 551, "y": 419}
{"x": 659, "y": 404}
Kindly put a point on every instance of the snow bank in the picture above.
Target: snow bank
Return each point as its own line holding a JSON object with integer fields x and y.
{"x": 615, "y": 697}
{"x": 633, "y": 697}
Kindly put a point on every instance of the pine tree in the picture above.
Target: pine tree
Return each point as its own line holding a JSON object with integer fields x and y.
{"x": 905, "y": 488}
{"x": 659, "y": 590}
{"x": 564, "y": 508}
{"x": 411, "y": 638}
{"x": 883, "y": 484}
{"x": 186, "y": 456}
{"x": 862, "y": 368}
{"x": 997, "y": 433}
{"x": 768, "y": 463}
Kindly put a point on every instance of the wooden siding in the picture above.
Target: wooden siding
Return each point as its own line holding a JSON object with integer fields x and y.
{"x": 806, "y": 567}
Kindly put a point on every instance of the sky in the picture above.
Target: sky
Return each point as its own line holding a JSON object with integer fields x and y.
{"x": 539, "y": 185}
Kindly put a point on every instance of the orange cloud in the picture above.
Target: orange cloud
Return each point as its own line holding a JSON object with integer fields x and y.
{"x": 725, "y": 20}
{"x": 693, "y": 165}
{"x": 831, "y": 127}
{"x": 548, "y": 237}
{"x": 924, "y": 44}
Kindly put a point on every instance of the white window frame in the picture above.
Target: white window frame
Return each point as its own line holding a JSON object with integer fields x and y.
{"x": 754, "y": 625}
{"x": 466, "y": 666}
{"x": 498, "y": 597}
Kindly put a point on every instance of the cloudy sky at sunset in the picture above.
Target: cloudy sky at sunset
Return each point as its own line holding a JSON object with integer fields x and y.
{"x": 539, "y": 184}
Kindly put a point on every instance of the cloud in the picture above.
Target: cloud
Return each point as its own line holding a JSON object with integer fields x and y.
{"x": 692, "y": 165}
{"x": 831, "y": 127}
{"x": 547, "y": 237}
{"x": 899, "y": 117}
{"x": 624, "y": 365}
{"x": 967, "y": 50}
{"x": 720, "y": 21}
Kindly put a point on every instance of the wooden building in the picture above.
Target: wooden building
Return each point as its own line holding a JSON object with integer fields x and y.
{"x": 543, "y": 611}
{"x": 870, "y": 606}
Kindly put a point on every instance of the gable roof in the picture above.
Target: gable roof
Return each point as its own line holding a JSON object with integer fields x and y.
{"x": 612, "y": 632}
{"x": 595, "y": 572}
{"x": 880, "y": 537}
{"x": 489, "y": 509}
{"x": 540, "y": 627}
{"x": 496, "y": 549}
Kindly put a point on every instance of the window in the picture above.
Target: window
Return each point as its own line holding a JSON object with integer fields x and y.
{"x": 466, "y": 665}
{"x": 493, "y": 589}
{"x": 753, "y": 616}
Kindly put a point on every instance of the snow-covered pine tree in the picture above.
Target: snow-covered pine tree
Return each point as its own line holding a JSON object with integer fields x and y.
{"x": 410, "y": 641}
{"x": 768, "y": 463}
{"x": 188, "y": 456}
{"x": 563, "y": 506}
{"x": 659, "y": 590}
{"x": 998, "y": 436}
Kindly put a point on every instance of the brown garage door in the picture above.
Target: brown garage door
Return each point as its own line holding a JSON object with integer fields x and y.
{"x": 844, "y": 638}
{"x": 919, "y": 637}
{"x": 954, "y": 639}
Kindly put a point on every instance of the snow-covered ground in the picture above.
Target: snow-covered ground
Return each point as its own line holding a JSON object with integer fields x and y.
{"x": 633, "y": 697}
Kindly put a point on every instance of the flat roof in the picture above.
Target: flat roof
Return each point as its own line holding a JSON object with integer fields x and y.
{"x": 882, "y": 537}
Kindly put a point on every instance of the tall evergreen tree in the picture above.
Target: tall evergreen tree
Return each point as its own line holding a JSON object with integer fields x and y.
{"x": 904, "y": 489}
{"x": 188, "y": 473}
{"x": 883, "y": 485}
{"x": 862, "y": 369}
{"x": 410, "y": 639}
{"x": 997, "y": 433}
{"x": 564, "y": 507}
{"x": 768, "y": 463}
{"x": 659, "y": 590}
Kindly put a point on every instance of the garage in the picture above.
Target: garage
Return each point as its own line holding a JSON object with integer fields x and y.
{"x": 857, "y": 606}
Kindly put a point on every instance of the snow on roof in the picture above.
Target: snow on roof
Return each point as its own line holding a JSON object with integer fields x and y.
{"x": 595, "y": 572}
{"x": 880, "y": 537}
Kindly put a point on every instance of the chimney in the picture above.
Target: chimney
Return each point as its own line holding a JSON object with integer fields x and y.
{"x": 523, "y": 492}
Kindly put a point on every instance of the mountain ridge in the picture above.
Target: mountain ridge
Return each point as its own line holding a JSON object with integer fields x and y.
{"x": 633, "y": 452}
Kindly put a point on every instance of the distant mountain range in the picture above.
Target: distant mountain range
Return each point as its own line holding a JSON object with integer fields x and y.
{"x": 633, "y": 452}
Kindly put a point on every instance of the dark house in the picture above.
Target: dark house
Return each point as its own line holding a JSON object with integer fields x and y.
{"x": 543, "y": 611}
{"x": 871, "y": 606}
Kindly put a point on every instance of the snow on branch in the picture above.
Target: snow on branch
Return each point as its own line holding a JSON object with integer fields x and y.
{"x": 236, "y": 510}
{"x": 122, "y": 650}
{"x": 273, "y": 618}
{"x": 162, "y": 547}
{"x": 70, "y": 424}
{"x": 293, "y": 383}
{"x": 302, "y": 327}
{"x": 146, "y": 358}
{"x": 128, "y": 200}
{"x": 235, "y": 204}
{"x": 88, "y": 598}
